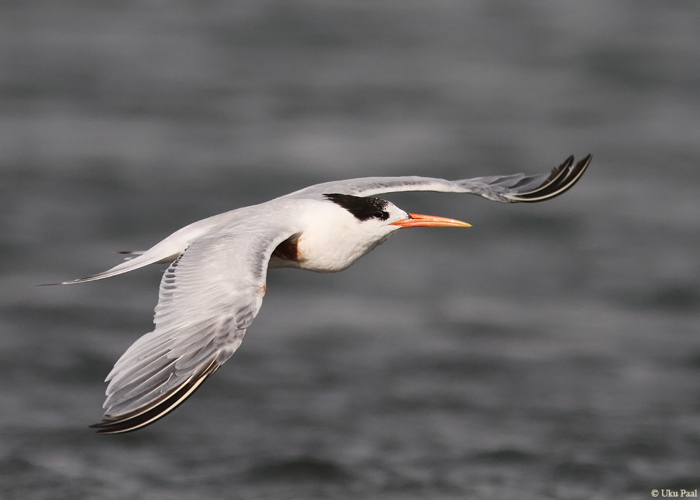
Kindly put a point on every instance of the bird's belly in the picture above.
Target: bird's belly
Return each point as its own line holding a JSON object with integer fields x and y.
{"x": 329, "y": 256}
{"x": 297, "y": 252}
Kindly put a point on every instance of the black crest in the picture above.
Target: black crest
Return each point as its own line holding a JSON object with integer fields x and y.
{"x": 363, "y": 208}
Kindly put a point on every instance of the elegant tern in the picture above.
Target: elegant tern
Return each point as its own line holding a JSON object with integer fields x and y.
{"x": 216, "y": 279}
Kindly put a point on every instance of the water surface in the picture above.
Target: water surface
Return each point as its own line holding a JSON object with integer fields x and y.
{"x": 551, "y": 351}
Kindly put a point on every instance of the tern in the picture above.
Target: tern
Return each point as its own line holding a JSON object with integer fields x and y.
{"x": 214, "y": 285}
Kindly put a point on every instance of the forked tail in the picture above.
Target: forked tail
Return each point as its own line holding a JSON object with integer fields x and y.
{"x": 166, "y": 251}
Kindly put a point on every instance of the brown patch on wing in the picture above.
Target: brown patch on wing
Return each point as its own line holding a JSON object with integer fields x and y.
{"x": 288, "y": 249}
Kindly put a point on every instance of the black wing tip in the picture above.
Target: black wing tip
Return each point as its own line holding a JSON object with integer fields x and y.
{"x": 112, "y": 426}
{"x": 567, "y": 163}
{"x": 559, "y": 181}
{"x": 143, "y": 417}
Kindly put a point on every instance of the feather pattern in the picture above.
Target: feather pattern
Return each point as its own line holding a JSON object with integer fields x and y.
{"x": 503, "y": 188}
{"x": 208, "y": 298}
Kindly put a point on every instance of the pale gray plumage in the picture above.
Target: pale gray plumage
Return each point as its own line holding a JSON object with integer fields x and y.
{"x": 208, "y": 298}
{"x": 214, "y": 286}
{"x": 502, "y": 188}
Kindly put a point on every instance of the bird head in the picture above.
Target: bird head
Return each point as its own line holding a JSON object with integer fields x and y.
{"x": 335, "y": 239}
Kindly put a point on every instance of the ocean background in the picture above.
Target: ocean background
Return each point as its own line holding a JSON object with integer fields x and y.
{"x": 551, "y": 351}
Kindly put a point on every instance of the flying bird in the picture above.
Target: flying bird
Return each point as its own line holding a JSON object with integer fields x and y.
{"x": 214, "y": 285}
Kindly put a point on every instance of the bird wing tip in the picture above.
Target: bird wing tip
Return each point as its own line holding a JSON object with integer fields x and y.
{"x": 560, "y": 180}
{"x": 157, "y": 409}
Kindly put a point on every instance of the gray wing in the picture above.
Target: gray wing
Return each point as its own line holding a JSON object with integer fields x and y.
{"x": 208, "y": 298}
{"x": 504, "y": 188}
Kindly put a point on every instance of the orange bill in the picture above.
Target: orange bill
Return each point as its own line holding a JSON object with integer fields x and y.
{"x": 419, "y": 220}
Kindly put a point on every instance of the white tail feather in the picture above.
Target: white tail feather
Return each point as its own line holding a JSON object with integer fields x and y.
{"x": 166, "y": 251}
{"x": 129, "y": 265}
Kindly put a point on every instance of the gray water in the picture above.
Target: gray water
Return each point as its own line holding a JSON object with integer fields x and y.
{"x": 551, "y": 351}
